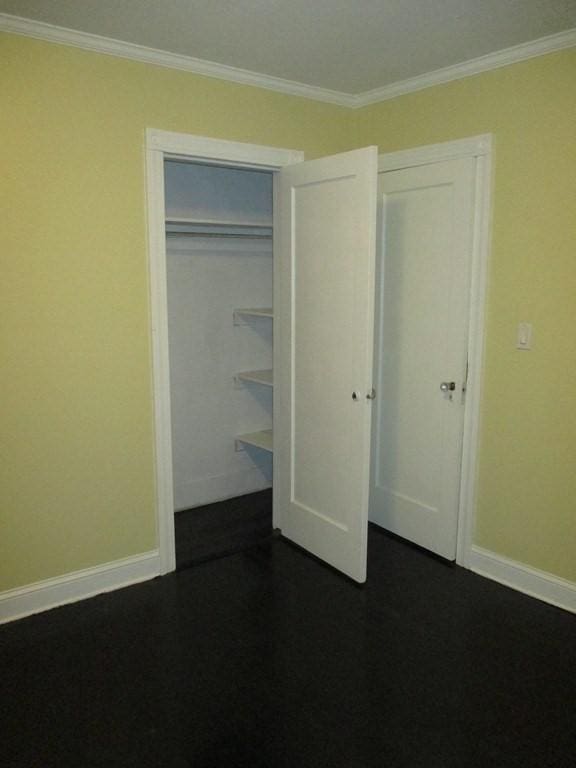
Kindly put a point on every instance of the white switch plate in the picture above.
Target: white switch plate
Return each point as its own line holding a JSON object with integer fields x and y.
{"x": 524, "y": 337}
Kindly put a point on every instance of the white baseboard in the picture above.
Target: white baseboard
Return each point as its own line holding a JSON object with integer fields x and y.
{"x": 207, "y": 490}
{"x": 78, "y": 585}
{"x": 540, "y": 584}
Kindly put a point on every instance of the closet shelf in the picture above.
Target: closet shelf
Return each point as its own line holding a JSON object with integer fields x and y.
{"x": 261, "y": 439}
{"x": 258, "y": 377}
{"x": 254, "y": 230}
{"x": 245, "y": 315}
{"x": 254, "y": 312}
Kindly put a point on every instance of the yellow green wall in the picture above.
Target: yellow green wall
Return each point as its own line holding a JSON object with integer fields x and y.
{"x": 527, "y": 483}
{"x": 76, "y": 463}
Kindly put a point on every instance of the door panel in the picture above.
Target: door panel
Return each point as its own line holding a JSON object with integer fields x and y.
{"x": 425, "y": 239}
{"x": 324, "y": 287}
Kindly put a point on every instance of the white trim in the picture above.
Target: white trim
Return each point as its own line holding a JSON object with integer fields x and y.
{"x": 277, "y": 344}
{"x": 495, "y": 60}
{"x": 531, "y": 581}
{"x": 474, "y": 146}
{"x": 78, "y": 585}
{"x": 481, "y": 239}
{"x": 55, "y": 34}
{"x": 159, "y": 146}
{"x": 190, "y": 147}
{"x": 479, "y": 147}
{"x": 89, "y": 42}
{"x": 161, "y": 360}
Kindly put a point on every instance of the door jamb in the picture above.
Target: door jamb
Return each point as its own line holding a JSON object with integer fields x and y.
{"x": 479, "y": 148}
{"x": 161, "y": 145}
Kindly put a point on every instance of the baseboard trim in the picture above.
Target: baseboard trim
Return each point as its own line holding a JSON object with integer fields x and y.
{"x": 78, "y": 585}
{"x": 539, "y": 584}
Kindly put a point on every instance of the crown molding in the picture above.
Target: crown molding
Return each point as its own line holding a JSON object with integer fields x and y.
{"x": 52, "y": 33}
{"x": 495, "y": 60}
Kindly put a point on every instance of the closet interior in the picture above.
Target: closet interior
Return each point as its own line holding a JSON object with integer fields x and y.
{"x": 220, "y": 325}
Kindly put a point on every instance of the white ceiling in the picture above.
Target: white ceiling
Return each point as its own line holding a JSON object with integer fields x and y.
{"x": 349, "y": 46}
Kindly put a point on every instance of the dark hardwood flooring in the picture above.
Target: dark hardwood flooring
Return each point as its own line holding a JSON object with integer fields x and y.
{"x": 268, "y": 659}
{"x": 222, "y": 528}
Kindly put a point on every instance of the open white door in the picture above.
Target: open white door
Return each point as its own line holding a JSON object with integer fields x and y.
{"x": 323, "y": 337}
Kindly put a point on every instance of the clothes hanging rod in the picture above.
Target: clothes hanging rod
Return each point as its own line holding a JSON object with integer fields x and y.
{"x": 187, "y": 221}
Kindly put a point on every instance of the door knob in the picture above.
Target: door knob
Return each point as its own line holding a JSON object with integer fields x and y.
{"x": 448, "y": 386}
{"x": 370, "y": 396}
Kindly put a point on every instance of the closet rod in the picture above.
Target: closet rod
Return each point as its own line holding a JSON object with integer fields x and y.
{"x": 240, "y": 235}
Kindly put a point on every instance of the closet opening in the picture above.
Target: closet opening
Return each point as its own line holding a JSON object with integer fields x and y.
{"x": 214, "y": 271}
{"x": 219, "y": 285}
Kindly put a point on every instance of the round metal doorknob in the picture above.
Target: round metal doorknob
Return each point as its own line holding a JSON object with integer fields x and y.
{"x": 448, "y": 386}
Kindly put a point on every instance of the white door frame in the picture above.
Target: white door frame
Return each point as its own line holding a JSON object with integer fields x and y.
{"x": 165, "y": 144}
{"x": 159, "y": 146}
{"x": 480, "y": 148}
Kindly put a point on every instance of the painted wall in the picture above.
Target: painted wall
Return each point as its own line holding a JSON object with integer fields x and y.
{"x": 76, "y": 463}
{"x": 527, "y": 482}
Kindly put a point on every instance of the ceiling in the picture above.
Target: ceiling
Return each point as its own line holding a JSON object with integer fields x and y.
{"x": 348, "y": 46}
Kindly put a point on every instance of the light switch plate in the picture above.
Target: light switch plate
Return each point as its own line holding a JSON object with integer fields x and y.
{"x": 524, "y": 336}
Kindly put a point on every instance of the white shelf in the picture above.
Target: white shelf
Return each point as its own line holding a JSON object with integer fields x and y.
{"x": 257, "y": 377}
{"x": 256, "y": 311}
{"x": 261, "y": 439}
{"x": 252, "y": 312}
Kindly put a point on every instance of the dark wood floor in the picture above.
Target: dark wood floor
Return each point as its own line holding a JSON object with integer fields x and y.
{"x": 223, "y": 528}
{"x": 269, "y": 659}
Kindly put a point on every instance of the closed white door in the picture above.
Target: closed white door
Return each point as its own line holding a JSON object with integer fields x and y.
{"x": 424, "y": 251}
{"x": 323, "y": 347}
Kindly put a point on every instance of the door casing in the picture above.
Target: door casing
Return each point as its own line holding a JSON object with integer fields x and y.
{"x": 161, "y": 145}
